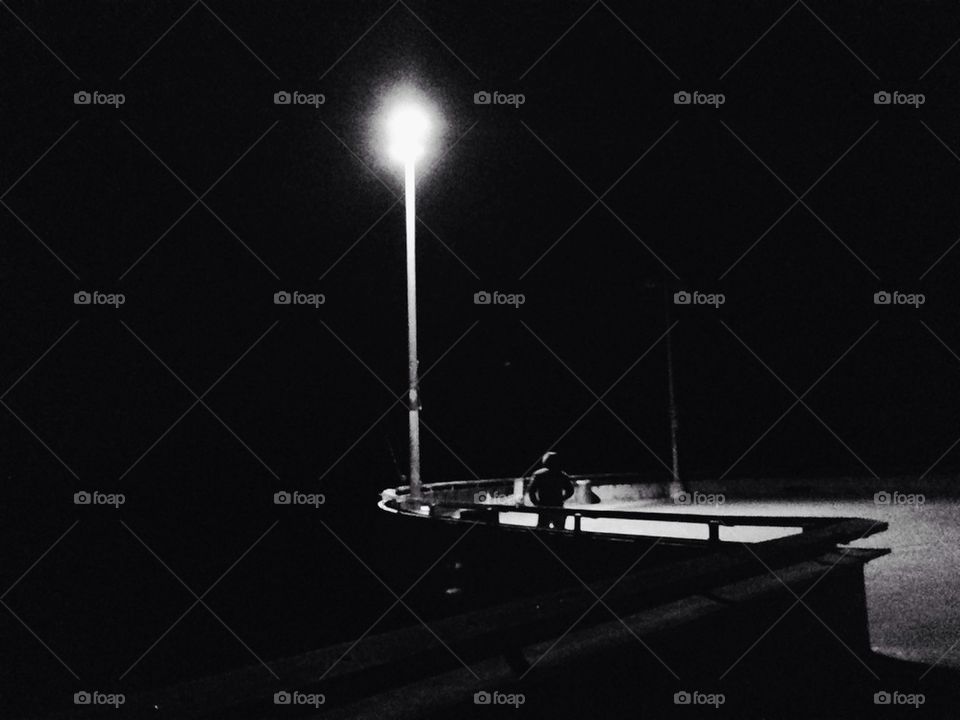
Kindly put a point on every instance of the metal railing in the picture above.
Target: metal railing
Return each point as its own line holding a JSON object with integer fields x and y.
{"x": 457, "y": 501}
{"x": 490, "y": 514}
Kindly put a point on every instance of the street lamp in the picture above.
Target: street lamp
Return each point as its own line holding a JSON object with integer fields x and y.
{"x": 407, "y": 128}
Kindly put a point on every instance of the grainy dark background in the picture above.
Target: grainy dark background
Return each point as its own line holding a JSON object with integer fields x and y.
{"x": 309, "y": 207}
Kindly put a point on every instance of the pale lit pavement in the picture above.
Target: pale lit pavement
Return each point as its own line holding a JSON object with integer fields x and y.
{"x": 912, "y": 593}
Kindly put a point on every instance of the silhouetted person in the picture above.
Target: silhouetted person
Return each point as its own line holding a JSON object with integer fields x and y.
{"x": 550, "y": 487}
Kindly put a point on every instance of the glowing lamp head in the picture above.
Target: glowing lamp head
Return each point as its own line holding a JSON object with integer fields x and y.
{"x": 407, "y": 129}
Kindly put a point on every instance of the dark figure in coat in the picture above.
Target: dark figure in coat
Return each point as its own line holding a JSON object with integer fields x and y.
{"x": 550, "y": 487}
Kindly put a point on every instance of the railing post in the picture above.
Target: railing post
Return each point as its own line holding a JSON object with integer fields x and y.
{"x": 714, "y": 531}
{"x": 518, "y": 490}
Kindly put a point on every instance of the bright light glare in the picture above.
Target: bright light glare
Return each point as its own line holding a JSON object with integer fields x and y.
{"x": 407, "y": 129}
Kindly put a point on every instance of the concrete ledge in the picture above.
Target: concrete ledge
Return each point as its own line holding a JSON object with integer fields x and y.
{"x": 653, "y": 604}
{"x": 579, "y": 660}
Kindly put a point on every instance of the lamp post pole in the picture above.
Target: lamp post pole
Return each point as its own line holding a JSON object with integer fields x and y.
{"x": 413, "y": 398}
{"x": 407, "y": 127}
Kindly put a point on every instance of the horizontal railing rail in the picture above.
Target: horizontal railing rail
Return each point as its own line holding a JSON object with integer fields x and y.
{"x": 454, "y": 496}
{"x": 700, "y": 518}
{"x": 597, "y": 478}
{"x": 490, "y": 514}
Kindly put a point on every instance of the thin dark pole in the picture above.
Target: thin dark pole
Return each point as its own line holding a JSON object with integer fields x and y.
{"x": 675, "y": 485}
